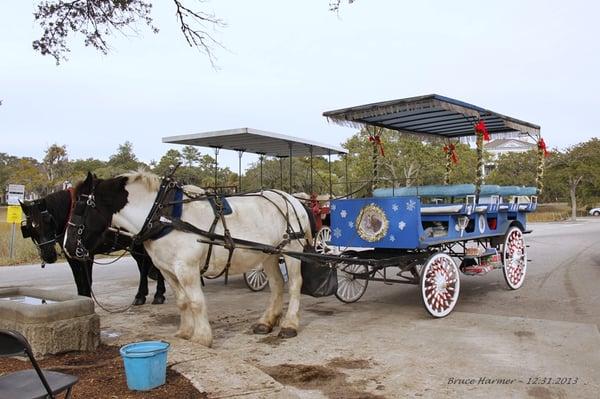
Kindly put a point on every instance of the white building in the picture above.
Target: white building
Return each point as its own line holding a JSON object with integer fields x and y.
{"x": 503, "y": 146}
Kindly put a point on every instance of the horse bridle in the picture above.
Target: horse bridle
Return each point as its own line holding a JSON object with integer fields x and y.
{"x": 77, "y": 218}
{"x": 27, "y": 231}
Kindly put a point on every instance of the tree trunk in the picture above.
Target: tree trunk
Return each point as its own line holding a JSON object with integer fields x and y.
{"x": 572, "y": 192}
{"x": 573, "y": 183}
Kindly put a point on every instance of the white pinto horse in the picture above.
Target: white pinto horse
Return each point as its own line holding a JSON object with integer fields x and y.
{"x": 261, "y": 218}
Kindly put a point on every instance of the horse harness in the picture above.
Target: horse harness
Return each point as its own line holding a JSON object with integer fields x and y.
{"x": 165, "y": 215}
{"x": 160, "y": 221}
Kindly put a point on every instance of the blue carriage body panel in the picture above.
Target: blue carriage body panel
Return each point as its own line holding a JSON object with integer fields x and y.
{"x": 402, "y": 215}
{"x": 404, "y": 223}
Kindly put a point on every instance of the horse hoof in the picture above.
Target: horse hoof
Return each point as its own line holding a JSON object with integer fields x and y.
{"x": 139, "y": 301}
{"x": 158, "y": 300}
{"x": 261, "y": 329}
{"x": 287, "y": 332}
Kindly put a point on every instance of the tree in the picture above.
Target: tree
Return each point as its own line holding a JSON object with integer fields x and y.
{"x": 80, "y": 168}
{"x": 27, "y": 171}
{"x": 515, "y": 168}
{"x": 96, "y": 20}
{"x": 334, "y": 5}
{"x": 190, "y": 154}
{"x": 124, "y": 160}
{"x": 56, "y": 165}
{"x": 577, "y": 168}
{"x": 171, "y": 158}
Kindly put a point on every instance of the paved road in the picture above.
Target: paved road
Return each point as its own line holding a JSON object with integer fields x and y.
{"x": 386, "y": 344}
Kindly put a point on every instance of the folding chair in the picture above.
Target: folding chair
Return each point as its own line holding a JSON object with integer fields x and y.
{"x": 33, "y": 383}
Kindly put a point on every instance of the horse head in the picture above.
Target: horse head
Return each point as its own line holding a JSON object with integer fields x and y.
{"x": 40, "y": 226}
{"x": 96, "y": 200}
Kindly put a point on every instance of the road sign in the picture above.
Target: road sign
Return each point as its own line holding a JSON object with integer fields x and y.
{"x": 16, "y": 193}
{"x": 13, "y": 214}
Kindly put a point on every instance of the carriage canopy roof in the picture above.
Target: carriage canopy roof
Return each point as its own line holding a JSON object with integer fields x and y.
{"x": 257, "y": 142}
{"x": 431, "y": 115}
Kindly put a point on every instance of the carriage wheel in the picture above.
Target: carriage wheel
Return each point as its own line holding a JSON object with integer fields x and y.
{"x": 322, "y": 240}
{"x": 515, "y": 258}
{"x": 352, "y": 282}
{"x": 440, "y": 284}
{"x": 256, "y": 279}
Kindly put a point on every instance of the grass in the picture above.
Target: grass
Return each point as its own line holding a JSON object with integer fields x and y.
{"x": 24, "y": 249}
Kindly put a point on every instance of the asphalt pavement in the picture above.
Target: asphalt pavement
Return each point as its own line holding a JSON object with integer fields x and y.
{"x": 540, "y": 341}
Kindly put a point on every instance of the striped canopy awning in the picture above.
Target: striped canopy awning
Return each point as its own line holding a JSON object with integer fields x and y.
{"x": 431, "y": 115}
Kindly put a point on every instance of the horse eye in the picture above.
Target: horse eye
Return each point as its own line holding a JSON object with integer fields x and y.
{"x": 34, "y": 224}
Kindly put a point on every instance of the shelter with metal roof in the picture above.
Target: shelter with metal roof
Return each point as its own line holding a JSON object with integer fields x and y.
{"x": 258, "y": 142}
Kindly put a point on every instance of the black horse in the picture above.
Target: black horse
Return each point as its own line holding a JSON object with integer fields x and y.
{"x": 45, "y": 223}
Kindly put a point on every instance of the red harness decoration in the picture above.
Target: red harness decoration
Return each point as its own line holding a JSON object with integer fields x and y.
{"x": 542, "y": 146}
{"x": 451, "y": 149}
{"x": 376, "y": 139}
{"x": 480, "y": 128}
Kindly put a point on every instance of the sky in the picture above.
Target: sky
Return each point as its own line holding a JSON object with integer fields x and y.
{"x": 286, "y": 62}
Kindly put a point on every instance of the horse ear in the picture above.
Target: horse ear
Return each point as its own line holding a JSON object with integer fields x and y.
{"x": 88, "y": 182}
{"x": 24, "y": 208}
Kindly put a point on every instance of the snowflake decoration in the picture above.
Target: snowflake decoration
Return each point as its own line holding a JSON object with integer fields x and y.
{"x": 343, "y": 213}
{"x": 337, "y": 232}
{"x": 401, "y": 225}
{"x": 395, "y": 207}
{"x": 411, "y": 205}
{"x": 392, "y": 238}
{"x": 351, "y": 224}
{"x": 332, "y": 207}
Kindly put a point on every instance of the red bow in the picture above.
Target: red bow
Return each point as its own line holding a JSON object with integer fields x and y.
{"x": 480, "y": 128}
{"x": 451, "y": 149}
{"x": 542, "y": 146}
{"x": 376, "y": 139}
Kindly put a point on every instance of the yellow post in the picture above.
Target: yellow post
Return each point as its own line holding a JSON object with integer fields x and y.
{"x": 13, "y": 216}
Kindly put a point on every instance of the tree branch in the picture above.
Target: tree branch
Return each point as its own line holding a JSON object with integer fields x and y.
{"x": 193, "y": 27}
{"x": 97, "y": 20}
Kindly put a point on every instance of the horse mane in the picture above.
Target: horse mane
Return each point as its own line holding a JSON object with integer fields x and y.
{"x": 148, "y": 179}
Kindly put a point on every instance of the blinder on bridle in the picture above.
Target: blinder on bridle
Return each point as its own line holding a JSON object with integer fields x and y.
{"x": 27, "y": 229}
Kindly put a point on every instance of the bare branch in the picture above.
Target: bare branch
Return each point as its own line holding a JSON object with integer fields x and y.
{"x": 334, "y": 5}
{"x": 193, "y": 27}
{"x": 98, "y": 20}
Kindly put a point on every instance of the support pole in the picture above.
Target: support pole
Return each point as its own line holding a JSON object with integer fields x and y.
{"x": 539, "y": 178}
{"x": 280, "y": 172}
{"x": 310, "y": 148}
{"x": 12, "y": 240}
{"x": 330, "y": 182}
{"x": 240, "y": 153}
{"x": 375, "y": 164}
{"x": 216, "y": 167}
{"x": 479, "y": 181}
{"x": 261, "y": 158}
{"x": 347, "y": 177}
{"x": 291, "y": 181}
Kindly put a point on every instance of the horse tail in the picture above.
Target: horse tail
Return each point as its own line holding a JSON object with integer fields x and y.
{"x": 312, "y": 221}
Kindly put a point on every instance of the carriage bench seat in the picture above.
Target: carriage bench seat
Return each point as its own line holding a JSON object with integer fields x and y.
{"x": 454, "y": 190}
{"x": 441, "y": 209}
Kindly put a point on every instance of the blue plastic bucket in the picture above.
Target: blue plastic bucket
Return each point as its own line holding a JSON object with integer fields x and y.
{"x": 145, "y": 364}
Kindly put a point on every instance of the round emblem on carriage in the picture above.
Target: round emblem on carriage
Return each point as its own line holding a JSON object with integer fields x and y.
{"x": 371, "y": 223}
{"x": 482, "y": 223}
